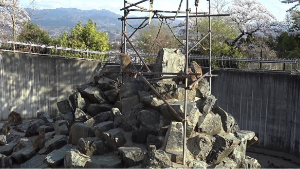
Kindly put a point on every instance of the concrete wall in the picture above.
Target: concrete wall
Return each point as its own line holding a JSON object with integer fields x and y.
{"x": 268, "y": 104}
{"x": 32, "y": 83}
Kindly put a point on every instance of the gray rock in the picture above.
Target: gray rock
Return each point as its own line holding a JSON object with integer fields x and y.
{"x": 69, "y": 117}
{"x": 250, "y": 162}
{"x": 118, "y": 105}
{"x": 131, "y": 156}
{"x": 156, "y": 159}
{"x": 56, "y": 142}
{"x": 118, "y": 120}
{"x": 61, "y": 127}
{"x": 169, "y": 61}
{"x": 22, "y": 143}
{"x": 114, "y": 137}
{"x": 197, "y": 164}
{"x": 92, "y": 146}
{"x": 95, "y": 109}
{"x": 99, "y": 118}
{"x": 154, "y": 140}
{"x": 227, "y": 163}
{"x": 128, "y": 104}
{"x": 84, "y": 144}
{"x": 167, "y": 89}
{"x": 81, "y": 88}
{"x": 105, "y": 83}
{"x": 80, "y": 130}
{"x": 35, "y": 162}
{"x": 94, "y": 94}
{"x": 191, "y": 94}
{"x": 103, "y": 127}
{"x": 129, "y": 89}
{"x": 210, "y": 124}
{"x": 8, "y": 148}
{"x": 55, "y": 159}
{"x": 3, "y": 139}
{"x": 64, "y": 106}
{"x": 109, "y": 160}
{"x": 152, "y": 101}
{"x": 228, "y": 120}
{"x": 222, "y": 147}
{"x": 202, "y": 89}
{"x": 112, "y": 95}
{"x": 80, "y": 116}
{"x": 33, "y": 128}
{"x": 174, "y": 138}
{"x": 23, "y": 155}
{"x": 46, "y": 129}
{"x": 78, "y": 101}
{"x": 44, "y": 116}
{"x": 245, "y": 135}
{"x": 206, "y": 104}
{"x": 5, "y": 162}
{"x": 22, "y": 127}
{"x": 200, "y": 146}
{"x": 75, "y": 159}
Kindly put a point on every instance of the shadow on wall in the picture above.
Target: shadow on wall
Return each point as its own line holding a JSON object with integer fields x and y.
{"x": 32, "y": 83}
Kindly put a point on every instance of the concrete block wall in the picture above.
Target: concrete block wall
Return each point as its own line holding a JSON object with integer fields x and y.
{"x": 32, "y": 83}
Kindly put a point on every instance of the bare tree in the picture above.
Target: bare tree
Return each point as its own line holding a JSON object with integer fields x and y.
{"x": 11, "y": 17}
{"x": 292, "y": 2}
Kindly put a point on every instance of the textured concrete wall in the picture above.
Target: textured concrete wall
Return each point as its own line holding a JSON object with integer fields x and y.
{"x": 32, "y": 83}
{"x": 268, "y": 104}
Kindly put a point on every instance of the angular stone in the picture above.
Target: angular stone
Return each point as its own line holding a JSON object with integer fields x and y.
{"x": 95, "y": 109}
{"x": 227, "y": 163}
{"x": 99, "y": 118}
{"x": 3, "y": 140}
{"x": 154, "y": 140}
{"x": 169, "y": 61}
{"x": 129, "y": 89}
{"x": 202, "y": 89}
{"x": 109, "y": 160}
{"x": 245, "y": 135}
{"x": 35, "y": 162}
{"x": 152, "y": 101}
{"x": 64, "y": 106}
{"x": 5, "y": 162}
{"x": 69, "y": 117}
{"x": 22, "y": 143}
{"x": 56, "y": 142}
{"x": 33, "y": 128}
{"x": 81, "y": 88}
{"x": 210, "y": 124}
{"x": 114, "y": 137}
{"x": 118, "y": 105}
{"x": 167, "y": 89}
{"x": 131, "y": 156}
{"x": 206, "y": 104}
{"x": 105, "y": 83}
{"x": 112, "y": 95}
{"x": 103, "y": 127}
{"x": 197, "y": 164}
{"x": 191, "y": 94}
{"x": 250, "y": 162}
{"x": 80, "y": 116}
{"x": 118, "y": 120}
{"x": 228, "y": 120}
{"x": 222, "y": 147}
{"x": 200, "y": 146}
{"x": 84, "y": 144}
{"x": 44, "y": 116}
{"x": 8, "y": 148}
{"x": 78, "y": 101}
{"x": 61, "y": 127}
{"x": 46, "y": 129}
{"x": 80, "y": 130}
{"x": 128, "y": 104}
{"x": 23, "y": 155}
{"x": 94, "y": 94}
{"x": 156, "y": 159}
{"x": 75, "y": 159}
{"x": 174, "y": 138}
{"x": 55, "y": 159}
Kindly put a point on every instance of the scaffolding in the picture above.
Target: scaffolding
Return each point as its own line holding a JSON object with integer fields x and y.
{"x": 155, "y": 14}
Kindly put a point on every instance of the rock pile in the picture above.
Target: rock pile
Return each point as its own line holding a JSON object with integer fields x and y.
{"x": 104, "y": 126}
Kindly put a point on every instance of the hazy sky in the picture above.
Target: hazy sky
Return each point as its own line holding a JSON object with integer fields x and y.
{"x": 274, "y": 6}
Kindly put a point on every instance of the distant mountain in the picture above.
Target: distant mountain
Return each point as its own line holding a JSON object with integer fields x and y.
{"x": 56, "y": 21}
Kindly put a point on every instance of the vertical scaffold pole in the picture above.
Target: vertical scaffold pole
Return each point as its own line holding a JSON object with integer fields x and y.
{"x": 210, "y": 39}
{"x": 124, "y": 29}
{"x": 186, "y": 79}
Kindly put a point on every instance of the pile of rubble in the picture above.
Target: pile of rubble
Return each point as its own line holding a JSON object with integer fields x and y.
{"x": 104, "y": 126}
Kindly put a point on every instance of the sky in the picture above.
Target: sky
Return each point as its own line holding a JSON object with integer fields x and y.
{"x": 275, "y": 7}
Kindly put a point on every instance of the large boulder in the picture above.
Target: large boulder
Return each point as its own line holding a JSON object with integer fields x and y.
{"x": 197, "y": 164}
{"x": 222, "y": 147}
{"x": 94, "y": 109}
{"x": 227, "y": 163}
{"x": 129, "y": 89}
{"x": 191, "y": 94}
{"x": 109, "y": 160}
{"x": 250, "y": 162}
{"x": 94, "y": 94}
{"x": 111, "y": 95}
{"x": 174, "y": 141}
{"x": 92, "y": 146}
{"x": 228, "y": 121}
{"x": 80, "y": 130}
{"x": 33, "y": 128}
{"x": 99, "y": 118}
{"x": 64, "y": 106}
{"x": 35, "y": 162}
{"x": 103, "y": 127}
{"x": 210, "y": 123}
{"x": 156, "y": 159}
{"x": 118, "y": 120}
{"x": 61, "y": 127}
{"x": 55, "y": 159}
{"x": 56, "y": 142}
{"x": 202, "y": 89}
{"x": 23, "y": 155}
{"x": 80, "y": 116}
{"x": 5, "y": 162}
{"x": 105, "y": 83}
{"x": 200, "y": 146}
{"x": 44, "y": 116}
{"x": 78, "y": 101}
{"x": 169, "y": 61}
{"x": 206, "y": 104}
{"x": 114, "y": 137}
{"x": 167, "y": 89}
{"x": 128, "y": 104}
{"x": 69, "y": 117}
{"x": 8, "y": 148}
{"x": 131, "y": 156}
{"x": 75, "y": 159}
